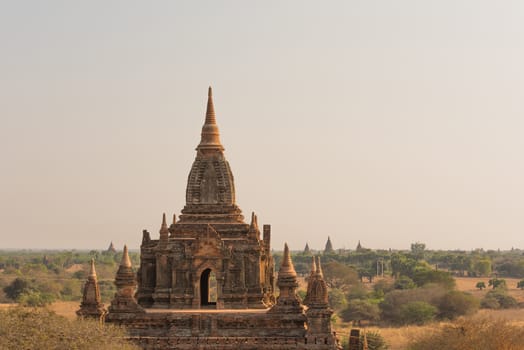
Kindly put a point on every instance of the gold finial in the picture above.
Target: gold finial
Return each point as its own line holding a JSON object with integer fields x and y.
{"x": 319, "y": 268}
{"x": 287, "y": 268}
{"x": 210, "y": 112}
{"x": 164, "y": 222}
{"x": 210, "y": 137}
{"x": 126, "y": 262}
{"x": 313, "y": 266}
{"x": 92, "y": 271}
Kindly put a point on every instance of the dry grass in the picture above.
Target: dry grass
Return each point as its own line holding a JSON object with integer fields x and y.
{"x": 65, "y": 308}
{"x": 398, "y": 338}
{"x": 467, "y": 284}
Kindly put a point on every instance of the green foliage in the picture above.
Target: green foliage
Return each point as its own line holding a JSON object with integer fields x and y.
{"x": 381, "y": 287}
{"x": 423, "y": 277}
{"x": 520, "y": 284}
{"x": 456, "y": 303}
{"x": 402, "y": 265}
{"x": 18, "y": 287}
{"x": 25, "y": 328}
{"x": 338, "y": 275}
{"x": 357, "y": 291}
{"x": 337, "y": 299}
{"x": 482, "y": 267}
{"x": 35, "y": 298}
{"x": 404, "y": 282}
{"x": 417, "y": 312}
{"x": 472, "y": 334}
{"x": 360, "y": 310}
{"x": 480, "y": 285}
{"x": 498, "y": 299}
{"x": 375, "y": 341}
{"x": 391, "y": 306}
{"x": 418, "y": 250}
{"x": 497, "y": 283}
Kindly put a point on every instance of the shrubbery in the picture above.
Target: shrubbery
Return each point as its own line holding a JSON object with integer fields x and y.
{"x": 472, "y": 334}
{"x": 26, "y": 328}
{"x": 498, "y": 299}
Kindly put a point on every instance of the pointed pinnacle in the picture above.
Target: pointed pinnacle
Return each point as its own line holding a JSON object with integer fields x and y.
{"x": 319, "y": 268}
{"x": 210, "y": 136}
{"x": 313, "y": 266}
{"x": 174, "y": 219}
{"x": 92, "y": 271}
{"x": 287, "y": 268}
{"x": 126, "y": 262}
{"x": 164, "y": 223}
{"x": 210, "y": 112}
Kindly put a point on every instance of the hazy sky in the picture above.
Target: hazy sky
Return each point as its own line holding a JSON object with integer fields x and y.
{"x": 386, "y": 121}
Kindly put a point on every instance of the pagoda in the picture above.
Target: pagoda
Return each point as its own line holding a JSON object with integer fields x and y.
{"x": 208, "y": 280}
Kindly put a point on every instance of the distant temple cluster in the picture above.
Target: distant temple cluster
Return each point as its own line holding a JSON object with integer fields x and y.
{"x": 208, "y": 280}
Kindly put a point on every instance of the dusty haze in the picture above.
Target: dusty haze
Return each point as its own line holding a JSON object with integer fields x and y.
{"x": 385, "y": 121}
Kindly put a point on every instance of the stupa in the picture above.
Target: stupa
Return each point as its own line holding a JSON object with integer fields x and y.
{"x": 208, "y": 280}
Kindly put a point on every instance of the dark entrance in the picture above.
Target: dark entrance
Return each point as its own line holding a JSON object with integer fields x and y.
{"x": 208, "y": 289}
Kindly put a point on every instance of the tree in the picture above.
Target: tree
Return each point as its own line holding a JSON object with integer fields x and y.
{"x": 497, "y": 283}
{"x": 393, "y": 301}
{"x": 401, "y": 265}
{"x": 417, "y": 312}
{"x": 337, "y": 299}
{"x": 404, "y": 282}
{"x": 360, "y": 310}
{"x": 480, "y": 285}
{"x": 424, "y": 276}
{"x": 17, "y": 288}
{"x": 456, "y": 303}
{"x": 520, "y": 284}
{"x": 338, "y": 275}
{"x": 482, "y": 267}
{"x": 417, "y": 250}
{"x": 498, "y": 299}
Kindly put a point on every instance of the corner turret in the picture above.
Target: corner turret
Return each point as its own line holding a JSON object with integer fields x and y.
{"x": 91, "y": 305}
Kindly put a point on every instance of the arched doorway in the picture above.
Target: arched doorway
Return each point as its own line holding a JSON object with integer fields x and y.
{"x": 208, "y": 289}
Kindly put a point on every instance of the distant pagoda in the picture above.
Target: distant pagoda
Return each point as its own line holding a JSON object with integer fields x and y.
{"x": 111, "y": 248}
{"x": 329, "y": 246}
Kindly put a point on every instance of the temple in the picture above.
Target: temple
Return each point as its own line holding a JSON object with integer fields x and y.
{"x": 208, "y": 280}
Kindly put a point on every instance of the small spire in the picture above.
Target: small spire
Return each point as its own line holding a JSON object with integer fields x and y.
{"x": 287, "y": 268}
{"x": 210, "y": 136}
{"x": 164, "y": 231}
{"x": 164, "y": 222}
{"x": 92, "y": 271}
{"x": 210, "y": 112}
{"x": 174, "y": 219}
{"x": 313, "y": 266}
{"x": 126, "y": 262}
{"x": 319, "y": 267}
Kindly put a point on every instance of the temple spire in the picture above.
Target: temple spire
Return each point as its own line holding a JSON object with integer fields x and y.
{"x": 210, "y": 136}
{"x": 319, "y": 267}
{"x": 125, "y": 262}
{"x": 92, "y": 271}
{"x": 210, "y": 112}
{"x": 313, "y": 266}
{"x": 164, "y": 230}
{"x": 287, "y": 268}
